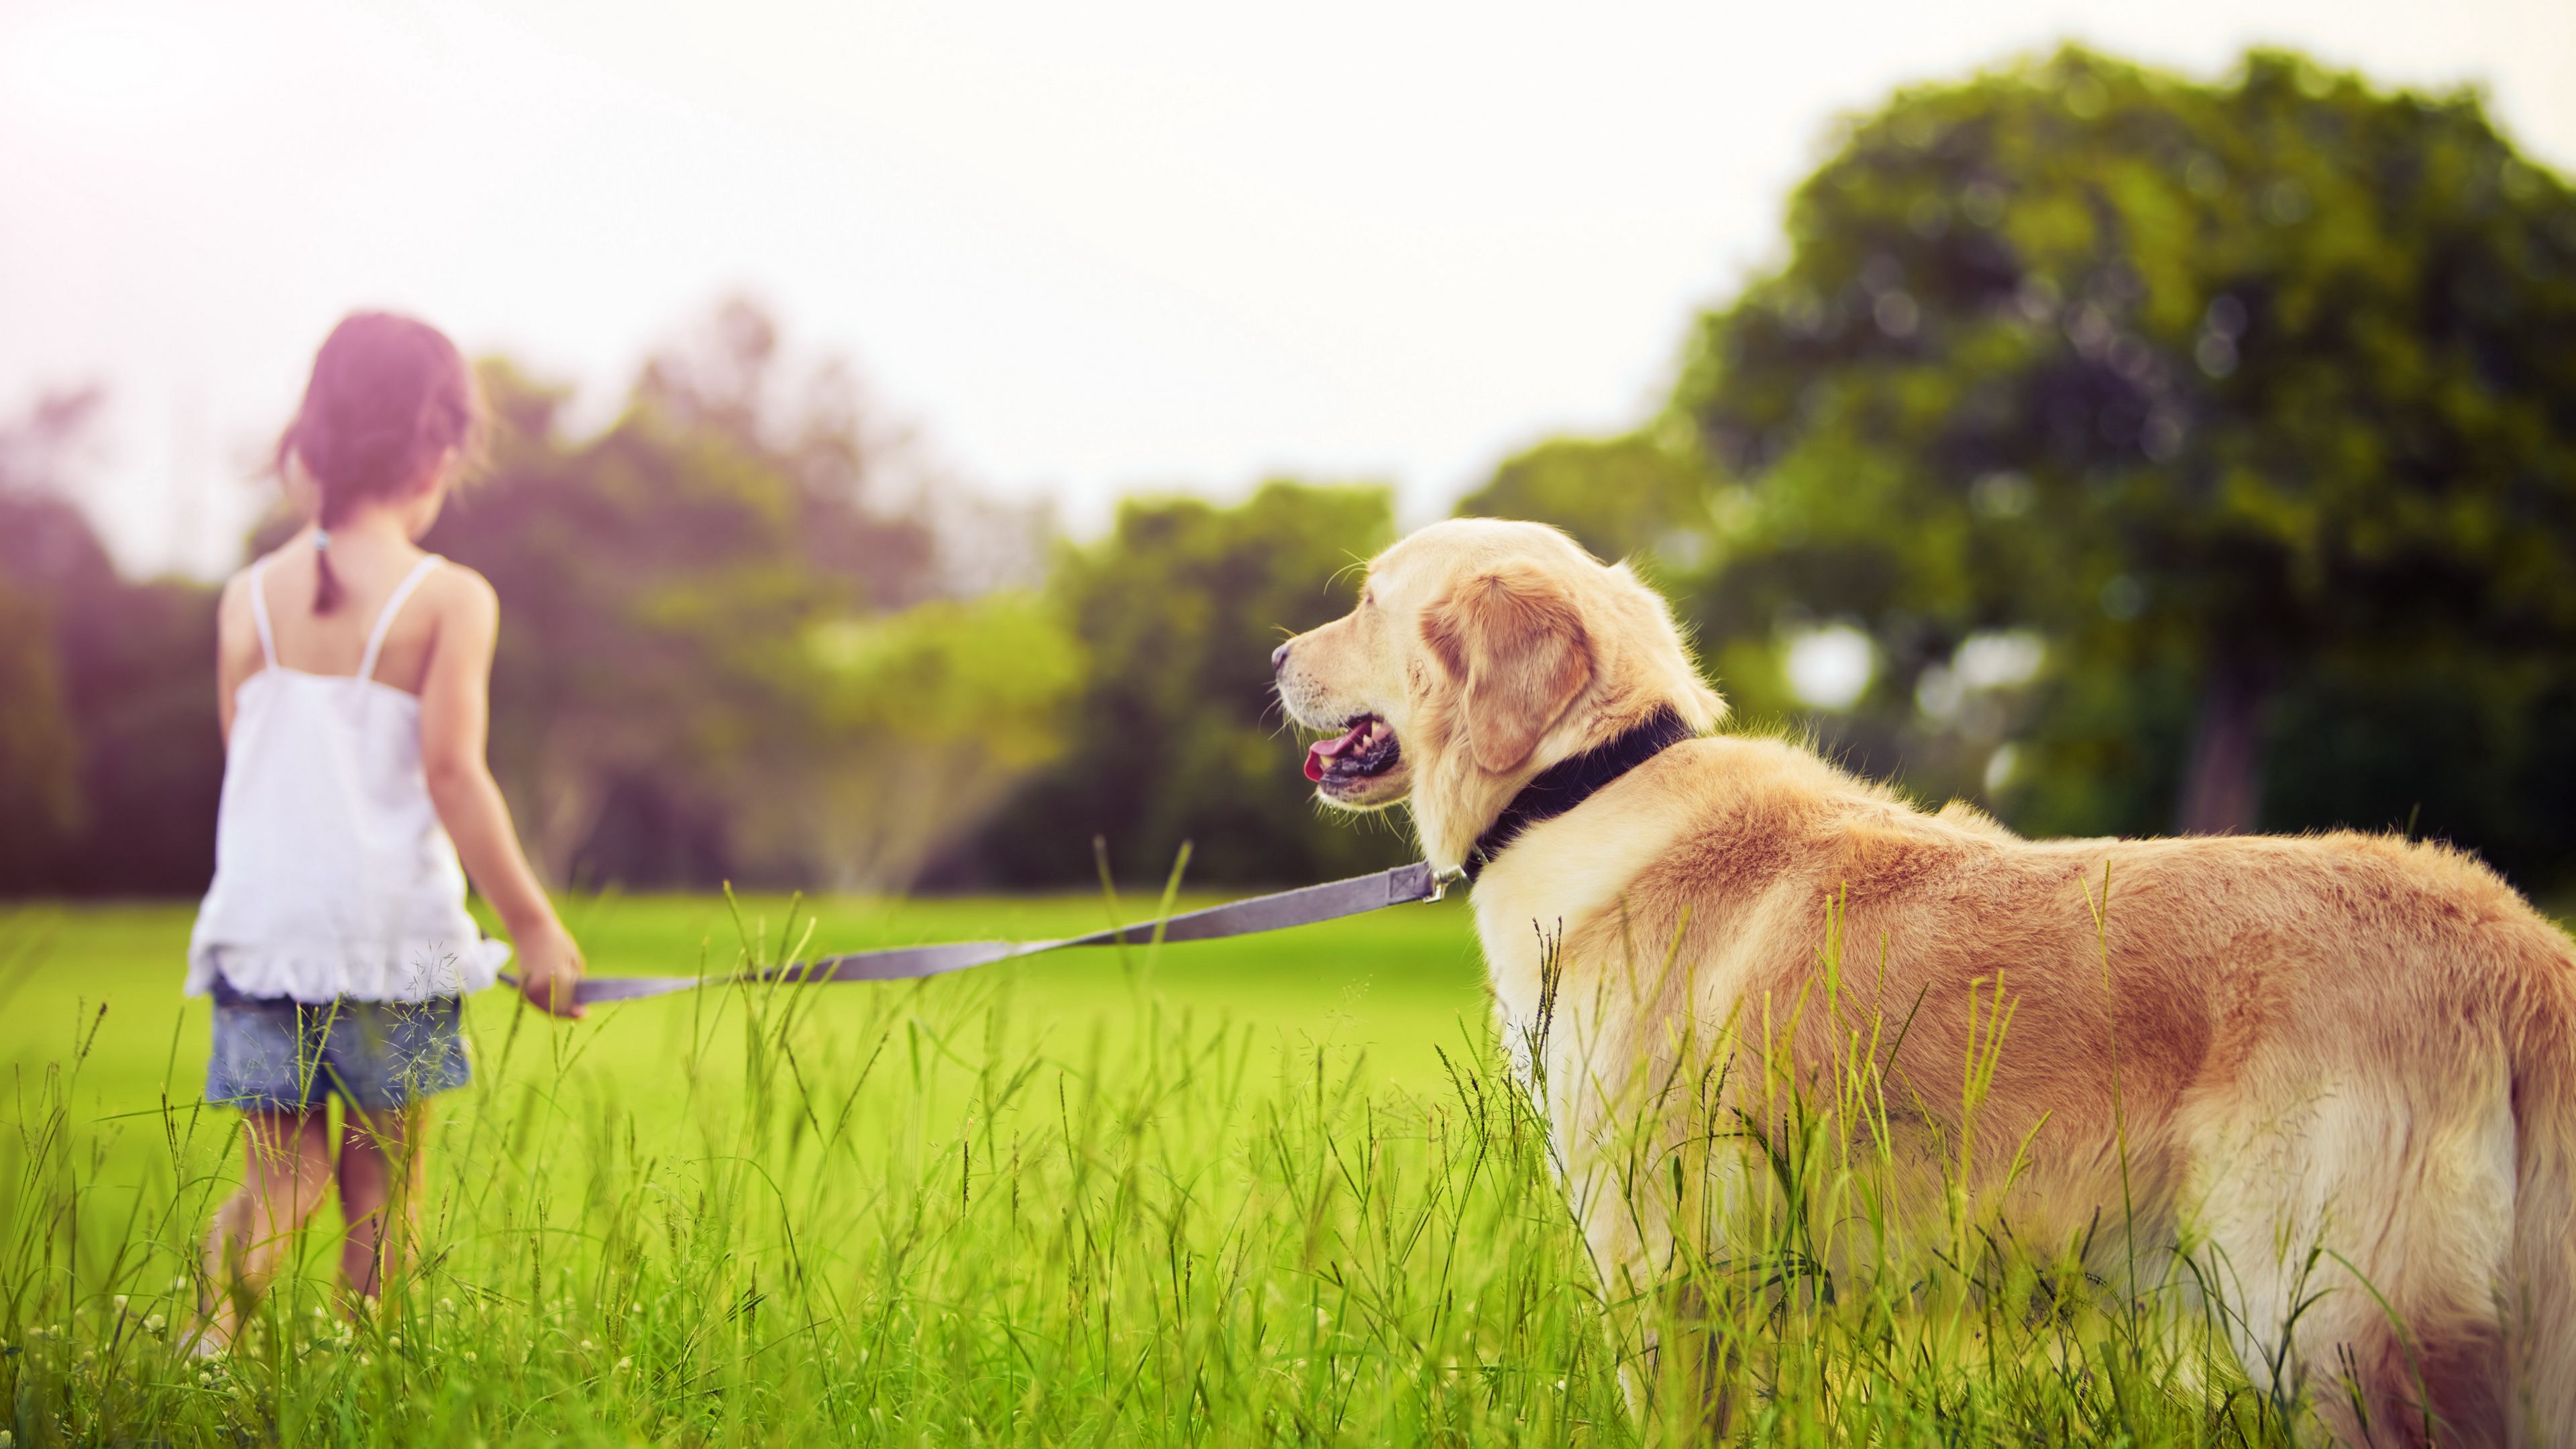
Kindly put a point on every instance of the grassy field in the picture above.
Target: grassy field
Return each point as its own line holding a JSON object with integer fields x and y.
{"x": 1270, "y": 1191}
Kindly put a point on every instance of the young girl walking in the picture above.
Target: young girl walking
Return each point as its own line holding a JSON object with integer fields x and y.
{"x": 354, "y": 673}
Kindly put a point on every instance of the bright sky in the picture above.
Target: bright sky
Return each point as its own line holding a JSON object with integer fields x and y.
{"x": 1087, "y": 248}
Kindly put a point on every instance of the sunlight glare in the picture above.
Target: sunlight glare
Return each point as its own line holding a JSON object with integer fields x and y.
{"x": 1830, "y": 667}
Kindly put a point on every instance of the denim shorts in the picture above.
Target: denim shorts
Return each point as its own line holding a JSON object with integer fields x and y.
{"x": 285, "y": 1056}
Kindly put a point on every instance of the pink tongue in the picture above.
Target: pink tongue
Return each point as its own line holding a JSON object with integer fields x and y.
{"x": 1322, "y": 750}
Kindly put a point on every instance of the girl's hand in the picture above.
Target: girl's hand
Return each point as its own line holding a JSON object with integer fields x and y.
{"x": 550, "y": 965}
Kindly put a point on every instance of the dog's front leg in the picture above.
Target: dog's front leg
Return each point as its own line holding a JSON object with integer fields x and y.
{"x": 1661, "y": 1198}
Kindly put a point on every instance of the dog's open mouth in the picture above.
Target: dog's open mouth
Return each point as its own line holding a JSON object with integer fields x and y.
{"x": 1364, "y": 751}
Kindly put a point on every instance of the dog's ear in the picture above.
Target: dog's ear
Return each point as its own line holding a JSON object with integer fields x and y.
{"x": 1515, "y": 644}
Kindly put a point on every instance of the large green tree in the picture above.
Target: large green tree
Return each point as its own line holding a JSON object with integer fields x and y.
{"x": 2245, "y": 396}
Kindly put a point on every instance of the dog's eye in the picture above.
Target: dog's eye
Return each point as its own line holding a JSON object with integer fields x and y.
{"x": 1368, "y": 598}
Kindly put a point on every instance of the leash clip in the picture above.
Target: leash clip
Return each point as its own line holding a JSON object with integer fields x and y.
{"x": 1442, "y": 880}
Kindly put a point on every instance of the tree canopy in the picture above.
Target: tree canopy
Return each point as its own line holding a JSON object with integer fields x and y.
{"x": 2252, "y": 399}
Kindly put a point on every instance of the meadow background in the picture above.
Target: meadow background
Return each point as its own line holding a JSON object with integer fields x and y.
{"x": 2122, "y": 450}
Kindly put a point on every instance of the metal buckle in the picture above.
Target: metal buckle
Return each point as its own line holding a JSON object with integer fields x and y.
{"x": 1442, "y": 880}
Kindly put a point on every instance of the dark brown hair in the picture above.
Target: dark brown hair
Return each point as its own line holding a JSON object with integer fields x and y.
{"x": 389, "y": 396}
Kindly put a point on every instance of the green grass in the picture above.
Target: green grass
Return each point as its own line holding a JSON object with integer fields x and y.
{"x": 1269, "y": 1191}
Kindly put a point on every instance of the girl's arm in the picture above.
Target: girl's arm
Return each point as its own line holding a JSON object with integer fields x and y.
{"x": 455, "y": 723}
{"x": 237, "y": 654}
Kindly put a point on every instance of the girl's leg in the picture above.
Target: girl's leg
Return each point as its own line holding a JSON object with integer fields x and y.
{"x": 286, "y": 1169}
{"x": 380, "y": 1161}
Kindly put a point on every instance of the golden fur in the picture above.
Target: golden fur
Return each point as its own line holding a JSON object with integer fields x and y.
{"x": 2342, "y": 1040}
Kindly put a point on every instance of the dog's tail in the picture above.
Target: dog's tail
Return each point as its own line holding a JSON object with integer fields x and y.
{"x": 2542, "y": 1306}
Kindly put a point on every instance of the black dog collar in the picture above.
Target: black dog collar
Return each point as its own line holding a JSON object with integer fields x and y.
{"x": 1571, "y": 781}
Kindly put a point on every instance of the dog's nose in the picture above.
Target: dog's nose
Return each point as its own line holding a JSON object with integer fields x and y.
{"x": 1278, "y": 659}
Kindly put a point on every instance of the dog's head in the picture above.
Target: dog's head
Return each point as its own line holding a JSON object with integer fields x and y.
{"x": 1482, "y": 652}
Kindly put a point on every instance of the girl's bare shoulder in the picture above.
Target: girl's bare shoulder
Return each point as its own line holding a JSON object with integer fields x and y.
{"x": 237, "y": 647}
{"x": 232, "y": 604}
{"x": 459, "y": 594}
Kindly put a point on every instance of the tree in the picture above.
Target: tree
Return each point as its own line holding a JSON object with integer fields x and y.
{"x": 652, "y": 607}
{"x": 924, "y": 721}
{"x": 849, "y": 469}
{"x": 2227, "y": 390}
{"x": 39, "y": 750}
{"x": 107, "y": 709}
{"x": 1176, "y": 736}
{"x": 719, "y": 659}
{"x": 1637, "y": 494}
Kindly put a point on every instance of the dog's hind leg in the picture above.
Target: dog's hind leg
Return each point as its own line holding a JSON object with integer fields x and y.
{"x": 2356, "y": 1235}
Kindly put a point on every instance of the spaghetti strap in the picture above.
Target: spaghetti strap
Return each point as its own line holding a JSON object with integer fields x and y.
{"x": 259, "y": 613}
{"x": 393, "y": 606}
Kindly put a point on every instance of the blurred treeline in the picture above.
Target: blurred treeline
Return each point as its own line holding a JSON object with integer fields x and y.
{"x": 2173, "y": 455}
{"x": 748, "y": 636}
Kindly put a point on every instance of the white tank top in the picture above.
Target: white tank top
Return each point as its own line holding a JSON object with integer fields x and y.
{"x": 333, "y": 876}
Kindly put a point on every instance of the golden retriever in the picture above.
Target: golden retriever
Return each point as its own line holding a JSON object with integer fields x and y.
{"x": 2285, "y": 1061}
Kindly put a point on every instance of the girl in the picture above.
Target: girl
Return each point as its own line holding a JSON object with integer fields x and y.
{"x": 354, "y": 673}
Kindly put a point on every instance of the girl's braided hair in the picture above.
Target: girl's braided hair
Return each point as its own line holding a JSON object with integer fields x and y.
{"x": 390, "y": 396}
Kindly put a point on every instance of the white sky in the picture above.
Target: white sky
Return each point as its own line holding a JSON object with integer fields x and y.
{"x": 1088, "y": 248}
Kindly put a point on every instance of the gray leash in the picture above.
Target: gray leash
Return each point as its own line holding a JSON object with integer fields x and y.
{"x": 1301, "y": 907}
